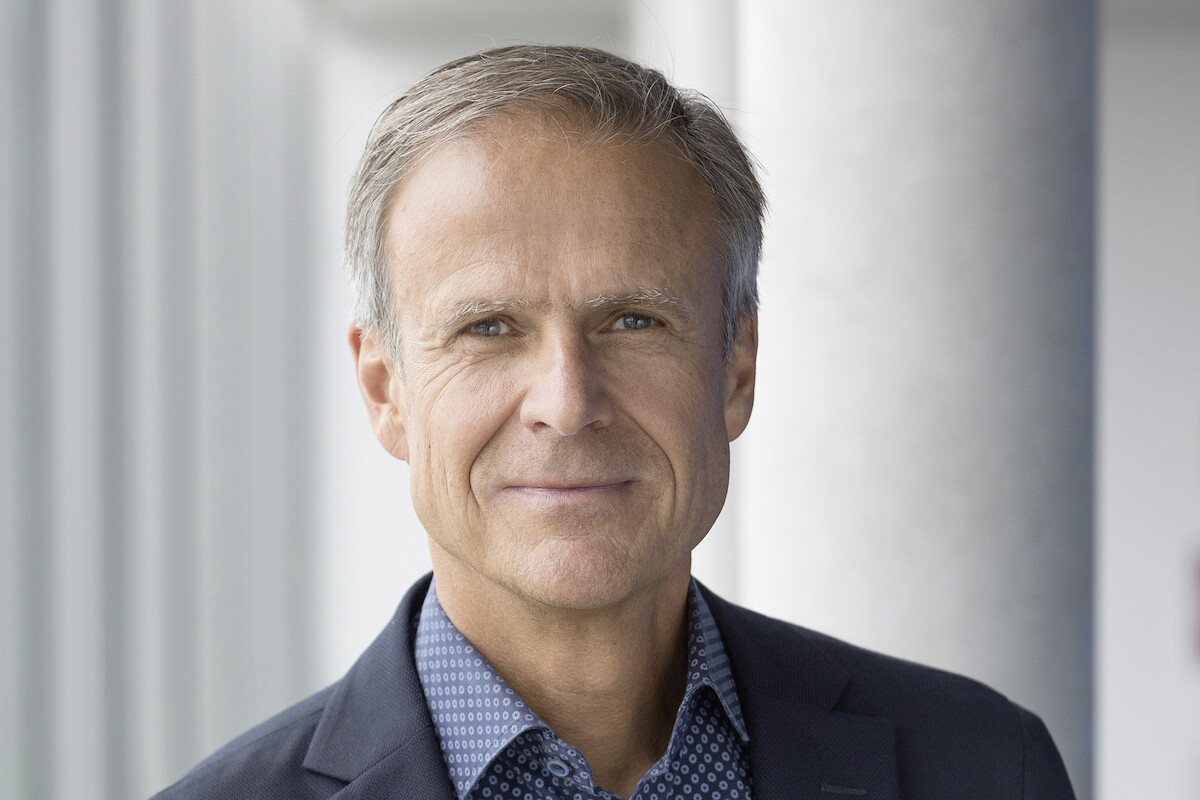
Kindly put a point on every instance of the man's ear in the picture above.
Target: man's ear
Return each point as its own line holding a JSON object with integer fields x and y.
{"x": 382, "y": 391}
{"x": 739, "y": 378}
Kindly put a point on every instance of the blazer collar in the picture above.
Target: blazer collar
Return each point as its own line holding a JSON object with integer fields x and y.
{"x": 801, "y": 745}
{"x": 375, "y": 731}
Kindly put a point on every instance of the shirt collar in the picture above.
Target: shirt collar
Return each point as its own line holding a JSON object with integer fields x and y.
{"x": 476, "y": 714}
{"x": 708, "y": 665}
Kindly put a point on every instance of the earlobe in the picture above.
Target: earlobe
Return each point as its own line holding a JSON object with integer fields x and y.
{"x": 739, "y": 378}
{"x": 382, "y": 391}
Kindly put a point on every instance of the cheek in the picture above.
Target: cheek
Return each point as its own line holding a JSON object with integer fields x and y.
{"x": 458, "y": 413}
{"x": 680, "y": 407}
{"x": 692, "y": 388}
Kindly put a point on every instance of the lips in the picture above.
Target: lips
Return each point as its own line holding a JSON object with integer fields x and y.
{"x": 570, "y": 485}
{"x": 558, "y": 493}
{"x": 600, "y": 466}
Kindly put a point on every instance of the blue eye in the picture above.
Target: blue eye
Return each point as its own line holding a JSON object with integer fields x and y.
{"x": 632, "y": 322}
{"x": 490, "y": 327}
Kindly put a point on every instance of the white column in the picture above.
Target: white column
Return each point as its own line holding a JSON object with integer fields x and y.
{"x": 25, "y": 471}
{"x": 1148, "y": 420}
{"x": 72, "y": 343}
{"x": 155, "y": 379}
{"x": 917, "y": 477}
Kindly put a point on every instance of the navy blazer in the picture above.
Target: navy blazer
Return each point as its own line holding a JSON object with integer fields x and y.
{"x": 826, "y": 719}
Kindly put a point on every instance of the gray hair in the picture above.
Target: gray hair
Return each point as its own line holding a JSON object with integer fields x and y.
{"x": 617, "y": 97}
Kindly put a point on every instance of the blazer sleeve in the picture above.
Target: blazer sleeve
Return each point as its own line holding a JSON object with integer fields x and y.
{"x": 1045, "y": 776}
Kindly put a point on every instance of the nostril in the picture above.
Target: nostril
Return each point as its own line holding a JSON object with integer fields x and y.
{"x": 566, "y": 394}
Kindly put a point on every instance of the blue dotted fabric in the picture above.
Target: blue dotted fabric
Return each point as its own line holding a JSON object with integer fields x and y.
{"x": 495, "y": 747}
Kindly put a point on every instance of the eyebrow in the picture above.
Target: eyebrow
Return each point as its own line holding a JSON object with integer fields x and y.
{"x": 459, "y": 314}
{"x": 648, "y": 297}
{"x": 651, "y": 299}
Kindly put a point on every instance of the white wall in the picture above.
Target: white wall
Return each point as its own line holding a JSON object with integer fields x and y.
{"x": 1148, "y": 482}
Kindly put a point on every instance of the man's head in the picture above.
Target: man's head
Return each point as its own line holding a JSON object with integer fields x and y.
{"x": 613, "y": 97}
{"x": 556, "y": 281}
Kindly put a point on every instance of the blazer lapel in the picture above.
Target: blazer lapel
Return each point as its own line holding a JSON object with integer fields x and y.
{"x": 411, "y": 771}
{"x": 375, "y": 732}
{"x": 801, "y": 746}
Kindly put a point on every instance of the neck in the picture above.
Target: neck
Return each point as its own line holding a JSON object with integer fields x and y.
{"x": 608, "y": 680}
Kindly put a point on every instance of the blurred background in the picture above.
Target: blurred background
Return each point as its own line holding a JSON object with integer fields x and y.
{"x": 977, "y": 436}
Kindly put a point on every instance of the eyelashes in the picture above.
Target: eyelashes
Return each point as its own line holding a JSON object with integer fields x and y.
{"x": 633, "y": 321}
{"x": 489, "y": 328}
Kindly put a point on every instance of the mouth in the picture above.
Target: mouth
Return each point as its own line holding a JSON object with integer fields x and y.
{"x": 570, "y": 491}
{"x": 570, "y": 486}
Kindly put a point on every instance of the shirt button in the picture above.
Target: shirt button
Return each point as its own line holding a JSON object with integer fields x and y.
{"x": 558, "y": 767}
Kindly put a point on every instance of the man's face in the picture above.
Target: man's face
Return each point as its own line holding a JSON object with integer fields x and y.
{"x": 563, "y": 400}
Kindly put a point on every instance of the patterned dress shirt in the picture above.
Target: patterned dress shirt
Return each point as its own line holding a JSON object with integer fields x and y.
{"x": 495, "y": 747}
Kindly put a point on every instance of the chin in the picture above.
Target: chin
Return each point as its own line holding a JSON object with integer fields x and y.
{"x": 582, "y": 576}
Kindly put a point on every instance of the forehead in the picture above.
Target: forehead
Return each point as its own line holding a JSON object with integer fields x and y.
{"x": 532, "y": 192}
{"x": 531, "y": 153}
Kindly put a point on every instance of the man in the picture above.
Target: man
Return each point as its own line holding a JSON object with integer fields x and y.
{"x": 554, "y": 253}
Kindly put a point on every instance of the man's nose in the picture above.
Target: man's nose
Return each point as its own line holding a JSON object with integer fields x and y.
{"x": 566, "y": 393}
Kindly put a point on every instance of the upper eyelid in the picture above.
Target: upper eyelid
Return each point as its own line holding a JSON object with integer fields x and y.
{"x": 463, "y": 315}
{"x": 610, "y": 319}
{"x": 666, "y": 314}
{"x": 656, "y": 319}
{"x": 467, "y": 325}
{"x": 657, "y": 303}
{"x": 636, "y": 312}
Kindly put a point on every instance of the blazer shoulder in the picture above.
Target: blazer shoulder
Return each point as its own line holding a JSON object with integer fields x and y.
{"x": 950, "y": 729}
{"x": 886, "y": 682}
{"x": 852, "y": 677}
{"x": 265, "y": 761}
